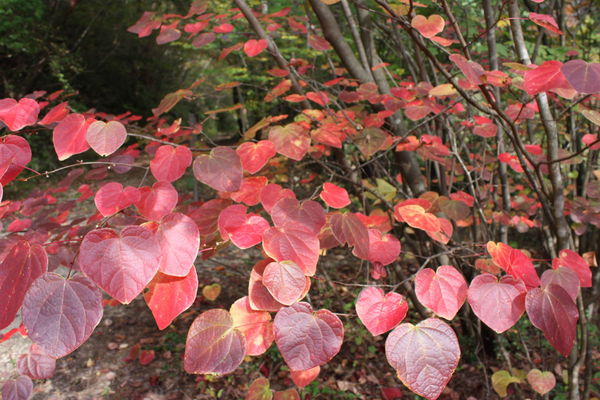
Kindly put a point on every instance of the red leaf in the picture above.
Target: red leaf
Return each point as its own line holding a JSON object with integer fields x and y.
{"x": 320, "y": 98}
{"x": 224, "y": 28}
{"x": 544, "y": 78}
{"x": 334, "y": 196}
{"x": 146, "y": 357}
{"x": 36, "y": 364}
{"x": 285, "y": 281}
{"x": 157, "y": 201}
{"x": 60, "y": 314}
{"x": 304, "y": 378}
{"x": 318, "y": 43}
{"x": 179, "y": 242}
{"x": 572, "y": 260}
{"x": 145, "y": 25}
{"x": 168, "y": 296}
{"x": 428, "y": 26}
{"x": 552, "y": 310}
{"x": 384, "y": 249}
{"x": 254, "y": 156}
{"x": 170, "y": 162}
{"x": 203, "y": 39}
{"x": 415, "y": 216}
{"x": 444, "y": 291}
{"x": 583, "y": 76}
{"x": 563, "y": 277}
{"x": 424, "y": 356}
{"x": 15, "y": 154}
{"x": 167, "y": 35}
{"x": 514, "y": 262}
{"x": 379, "y": 312}
{"x": 23, "y": 264}
{"x": 307, "y": 339}
{"x": 122, "y": 264}
{"x": 221, "y": 169}
{"x": 213, "y": 345}
{"x": 347, "y": 228}
{"x": 106, "y": 138}
{"x": 259, "y": 297}
{"x": 16, "y": 116}
{"x": 288, "y": 394}
{"x": 472, "y": 70}
{"x": 545, "y": 21}
{"x": 541, "y": 382}
{"x": 272, "y": 193}
{"x": 498, "y": 304}
{"x": 445, "y": 234}
{"x": 254, "y": 47}
{"x": 294, "y": 244}
{"x": 308, "y": 214}
{"x": 250, "y": 191}
{"x": 244, "y": 230}
{"x": 292, "y": 140}
{"x": 255, "y": 325}
{"x": 17, "y": 389}
{"x": 69, "y": 136}
{"x": 112, "y": 198}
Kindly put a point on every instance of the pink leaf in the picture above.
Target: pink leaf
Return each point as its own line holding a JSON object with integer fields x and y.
{"x": 572, "y": 260}
{"x": 305, "y": 338}
{"x": 106, "y": 138}
{"x": 170, "y": 162}
{"x": 36, "y": 364}
{"x": 16, "y": 116}
{"x": 499, "y": 304}
{"x": 583, "y": 76}
{"x": 444, "y": 291}
{"x": 244, "y": 230}
{"x": 60, "y": 314}
{"x": 17, "y": 389}
{"x": 15, "y": 154}
{"x": 254, "y": 47}
{"x": 213, "y": 345}
{"x": 112, "y": 198}
{"x": 69, "y": 136}
{"x": 255, "y": 325}
{"x": 221, "y": 169}
{"x": 428, "y": 26}
{"x": 379, "y": 312}
{"x": 157, "y": 201}
{"x": 424, "y": 356}
{"x": 122, "y": 264}
{"x": 334, "y": 196}
{"x": 285, "y": 281}
{"x": 294, "y": 244}
{"x": 179, "y": 242}
{"x": 254, "y": 156}
{"x": 308, "y": 214}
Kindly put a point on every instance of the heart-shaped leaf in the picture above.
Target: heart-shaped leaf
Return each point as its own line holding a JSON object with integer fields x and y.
{"x": 60, "y": 314}
{"x": 213, "y": 345}
{"x": 285, "y": 281}
{"x": 306, "y": 338}
{"x": 207, "y": 215}
{"x": 552, "y": 310}
{"x": 304, "y": 378}
{"x": 168, "y": 296}
{"x": 17, "y": 115}
{"x": 122, "y": 264}
{"x": 17, "y": 389}
{"x": 255, "y": 325}
{"x": 15, "y": 154}
{"x": 292, "y": 140}
{"x": 347, "y": 228}
{"x": 583, "y": 76}
{"x": 541, "y": 382}
{"x": 179, "y": 241}
{"x": 221, "y": 169}
{"x": 428, "y": 26}
{"x": 308, "y": 214}
{"x": 416, "y": 216}
{"x": 379, "y": 312}
{"x": 545, "y": 77}
{"x": 69, "y": 136}
{"x": 294, "y": 244}
{"x": 254, "y": 47}
{"x": 500, "y": 381}
{"x": 444, "y": 291}
{"x": 254, "y": 156}
{"x": 384, "y": 249}
{"x": 112, "y": 198}
{"x": 22, "y": 265}
{"x": 499, "y": 304}
{"x": 170, "y": 162}
{"x": 250, "y": 191}
{"x": 424, "y": 355}
{"x": 563, "y": 277}
{"x": 36, "y": 364}
{"x": 106, "y": 138}
{"x": 272, "y": 193}
{"x": 334, "y": 196}
{"x": 157, "y": 201}
{"x": 244, "y": 230}
{"x": 259, "y": 390}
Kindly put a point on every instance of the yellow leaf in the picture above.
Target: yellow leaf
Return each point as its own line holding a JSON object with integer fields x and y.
{"x": 445, "y": 89}
{"x": 330, "y": 2}
{"x": 211, "y": 292}
{"x": 500, "y": 381}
